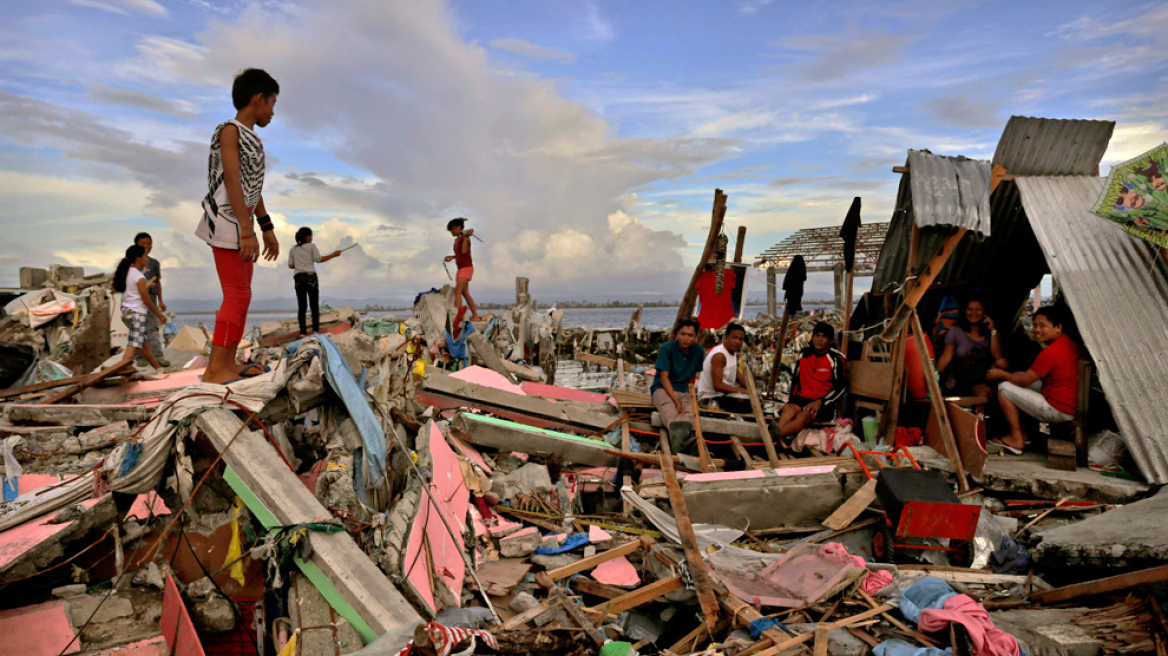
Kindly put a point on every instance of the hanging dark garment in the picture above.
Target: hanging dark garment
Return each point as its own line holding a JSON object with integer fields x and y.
{"x": 793, "y": 284}
{"x": 849, "y": 232}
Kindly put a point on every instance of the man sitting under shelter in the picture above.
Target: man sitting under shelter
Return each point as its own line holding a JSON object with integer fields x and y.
{"x": 1049, "y": 389}
{"x": 818, "y": 383}
{"x": 721, "y": 383}
{"x": 678, "y": 364}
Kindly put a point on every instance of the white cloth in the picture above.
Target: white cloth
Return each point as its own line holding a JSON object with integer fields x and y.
{"x": 132, "y": 298}
{"x": 302, "y": 258}
{"x": 1031, "y": 401}
{"x": 729, "y": 373}
{"x": 219, "y": 226}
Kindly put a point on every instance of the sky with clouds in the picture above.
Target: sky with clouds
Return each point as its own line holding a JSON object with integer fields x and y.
{"x": 583, "y": 138}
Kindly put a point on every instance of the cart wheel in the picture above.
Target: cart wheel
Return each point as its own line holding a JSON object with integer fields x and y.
{"x": 963, "y": 556}
{"x": 884, "y": 544}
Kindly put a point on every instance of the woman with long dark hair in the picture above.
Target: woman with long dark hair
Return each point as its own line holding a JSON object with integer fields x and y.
{"x": 136, "y": 302}
{"x": 302, "y": 259}
{"x": 972, "y": 348}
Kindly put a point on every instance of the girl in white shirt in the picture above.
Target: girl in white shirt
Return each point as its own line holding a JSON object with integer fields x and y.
{"x": 136, "y": 302}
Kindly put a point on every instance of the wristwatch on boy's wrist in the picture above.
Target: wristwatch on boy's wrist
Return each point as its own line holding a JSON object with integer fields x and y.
{"x": 265, "y": 222}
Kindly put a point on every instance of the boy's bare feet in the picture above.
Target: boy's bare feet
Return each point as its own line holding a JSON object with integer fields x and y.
{"x": 220, "y": 377}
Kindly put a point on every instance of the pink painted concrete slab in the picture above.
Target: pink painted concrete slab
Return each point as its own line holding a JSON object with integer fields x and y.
{"x": 177, "y": 627}
{"x": 562, "y": 393}
{"x": 146, "y": 505}
{"x": 26, "y": 483}
{"x": 504, "y": 526}
{"x": 471, "y": 453}
{"x": 618, "y": 571}
{"x": 155, "y": 646}
{"x": 428, "y": 531}
{"x": 483, "y": 376}
{"x": 161, "y": 385}
{"x": 41, "y": 630}
{"x": 759, "y": 473}
{"x": 16, "y": 541}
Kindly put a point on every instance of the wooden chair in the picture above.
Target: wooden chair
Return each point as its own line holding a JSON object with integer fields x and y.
{"x": 1066, "y": 448}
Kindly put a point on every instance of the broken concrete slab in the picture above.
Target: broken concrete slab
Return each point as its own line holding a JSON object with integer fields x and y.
{"x": 346, "y": 576}
{"x": 714, "y": 426}
{"x": 1028, "y": 474}
{"x": 445, "y": 392}
{"x": 74, "y": 415}
{"x": 520, "y": 544}
{"x": 97, "y": 608}
{"x": 34, "y": 545}
{"x": 322, "y": 631}
{"x": 762, "y": 499}
{"x": 510, "y": 436}
{"x": 41, "y": 630}
{"x": 1132, "y": 535}
{"x": 1048, "y": 632}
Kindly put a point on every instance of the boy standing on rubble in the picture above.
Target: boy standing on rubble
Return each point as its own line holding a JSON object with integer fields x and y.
{"x": 678, "y": 364}
{"x": 818, "y": 383}
{"x": 153, "y": 274}
{"x": 231, "y": 210}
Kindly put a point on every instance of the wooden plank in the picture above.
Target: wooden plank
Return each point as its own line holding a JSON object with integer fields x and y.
{"x": 703, "y": 450}
{"x": 89, "y": 381}
{"x": 851, "y": 509}
{"x": 691, "y": 293}
{"x": 689, "y": 542}
{"x": 577, "y": 614}
{"x": 821, "y": 637}
{"x": 642, "y": 595}
{"x": 759, "y": 419}
{"x": 871, "y": 379}
{"x": 923, "y": 282}
{"x": 586, "y": 585}
{"x": 599, "y": 559}
{"x": 40, "y": 387}
{"x": 262, "y": 471}
{"x": 800, "y": 639}
{"x": 627, "y": 480}
{"x": 1099, "y": 586}
{"x": 938, "y": 401}
{"x": 602, "y": 361}
{"x": 740, "y": 244}
{"x": 743, "y": 614}
{"x": 526, "y": 616}
{"x": 777, "y": 360}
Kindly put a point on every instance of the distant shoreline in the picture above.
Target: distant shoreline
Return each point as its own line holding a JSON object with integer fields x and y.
{"x": 500, "y": 306}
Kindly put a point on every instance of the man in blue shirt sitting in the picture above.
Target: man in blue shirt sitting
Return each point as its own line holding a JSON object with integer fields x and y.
{"x": 678, "y": 364}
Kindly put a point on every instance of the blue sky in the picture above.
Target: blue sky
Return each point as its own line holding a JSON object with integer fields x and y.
{"x": 583, "y": 138}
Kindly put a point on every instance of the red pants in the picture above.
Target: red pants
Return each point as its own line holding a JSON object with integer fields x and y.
{"x": 235, "y": 279}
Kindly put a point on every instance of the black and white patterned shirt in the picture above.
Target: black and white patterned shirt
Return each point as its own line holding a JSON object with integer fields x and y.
{"x": 219, "y": 226}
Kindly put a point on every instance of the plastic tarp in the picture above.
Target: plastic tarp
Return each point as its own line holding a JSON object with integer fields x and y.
{"x": 344, "y": 383}
{"x": 35, "y": 309}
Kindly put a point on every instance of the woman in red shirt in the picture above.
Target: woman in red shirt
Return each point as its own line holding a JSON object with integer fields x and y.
{"x": 1049, "y": 389}
{"x": 465, "y": 264}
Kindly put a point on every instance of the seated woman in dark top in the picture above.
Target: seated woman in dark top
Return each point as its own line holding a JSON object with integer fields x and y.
{"x": 972, "y": 348}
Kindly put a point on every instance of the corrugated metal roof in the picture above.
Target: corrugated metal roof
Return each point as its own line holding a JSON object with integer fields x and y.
{"x": 950, "y": 191}
{"x": 1118, "y": 292}
{"x": 1051, "y": 146}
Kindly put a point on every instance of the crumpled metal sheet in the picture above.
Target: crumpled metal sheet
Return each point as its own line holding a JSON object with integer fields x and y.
{"x": 952, "y": 191}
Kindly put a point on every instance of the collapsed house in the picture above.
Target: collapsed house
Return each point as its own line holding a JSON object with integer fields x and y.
{"x": 427, "y": 483}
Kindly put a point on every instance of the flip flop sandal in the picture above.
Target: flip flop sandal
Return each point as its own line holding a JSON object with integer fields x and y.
{"x": 1006, "y": 448}
{"x": 164, "y": 364}
{"x": 244, "y": 374}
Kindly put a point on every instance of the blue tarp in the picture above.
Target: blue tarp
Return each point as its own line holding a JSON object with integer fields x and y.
{"x": 344, "y": 383}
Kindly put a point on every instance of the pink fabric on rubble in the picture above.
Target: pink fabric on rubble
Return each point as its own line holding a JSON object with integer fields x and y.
{"x": 875, "y": 580}
{"x": 988, "y": 640}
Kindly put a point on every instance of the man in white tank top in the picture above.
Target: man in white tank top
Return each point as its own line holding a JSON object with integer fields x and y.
{"x": 721, "y": 382}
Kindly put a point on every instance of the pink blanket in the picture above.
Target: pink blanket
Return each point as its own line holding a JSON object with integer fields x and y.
{"x": 988, "y": 640}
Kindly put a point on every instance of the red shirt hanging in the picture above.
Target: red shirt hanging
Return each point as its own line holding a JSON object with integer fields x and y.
{"x": 717, "y": 310}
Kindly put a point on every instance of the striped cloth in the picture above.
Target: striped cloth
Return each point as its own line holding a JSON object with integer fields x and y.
{"x": 444, "y": 638}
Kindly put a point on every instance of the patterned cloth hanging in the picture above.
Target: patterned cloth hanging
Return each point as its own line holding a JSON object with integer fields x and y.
{"x": 720, "y": 260}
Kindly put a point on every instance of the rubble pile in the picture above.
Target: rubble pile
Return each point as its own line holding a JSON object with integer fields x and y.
{"x": 428, "y": 481}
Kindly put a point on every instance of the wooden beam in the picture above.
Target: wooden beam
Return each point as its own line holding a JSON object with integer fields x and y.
{"x": 1003, "y": 176}
{"x": 759, "y": 419}
{"x": 703, "y": 450}
{"x": 578, "y": 616}
{"x": 689, "y": 542}
{"x": 89, "y": 381}
{"x": 595, "y": 588}
{"x": 642, "y": 595}
{"x": 599, "y": 559}
{"x": 938, "y": 401}
{"x": 740, "y": 244}
{"x": 627, "y": 480}
{"x": 743, "y": 613}
{"x": 923, "y": 283}
{"x": 601, "y": 360}
{"x": 691, "y": 292}
{"x": 800, "y": 639}
{"x": 777, "y": 360}
{"x": 851, "y": 509}
{"x": 526, "y": 616}
{"x": 1099, "y": 586}
{"x": 40, "y": 387}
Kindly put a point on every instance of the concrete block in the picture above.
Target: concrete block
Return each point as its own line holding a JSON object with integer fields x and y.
{"x": 74, "y": 415}
{"x": 327, "y": 633}
{"x": 510, "y": 436}
{"x": 1048, "y": 632}
{"x": 520, "y": 544}
{"x": 33, "y": 278}
{"x": 69, "y": 590}
{"x": 795, "y": 496}
{"x": 1129, "y": 536}
{"x": 82, "y": 607}
{"x": 555, "y": 560}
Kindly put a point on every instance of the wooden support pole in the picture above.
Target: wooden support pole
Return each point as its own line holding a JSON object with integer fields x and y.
{"x": 772, "y": 293}
{"x": 1100, "y": 586}
{"x": 848, "y": 281}
{"x": 760, "y": 419}
{"x": 627, "y": 481}
{"x": 938, "y": 401}
{"x": 703, "y": 450}
{"x": 923, "y": 282}
{"x": 891, "y": 416}
{"x": 642, "y": 595}
{"x": 689, "y": 541}
{"x": 782, "y": 344}
{"x": 691, "y": 292}
{"x": 740, "y": 245}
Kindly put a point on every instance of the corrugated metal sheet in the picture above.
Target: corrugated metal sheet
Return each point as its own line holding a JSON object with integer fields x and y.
{"x": 1050, "y": 146}
{"x": 950, "y": 191}
{"x": 1118, "y": 292}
